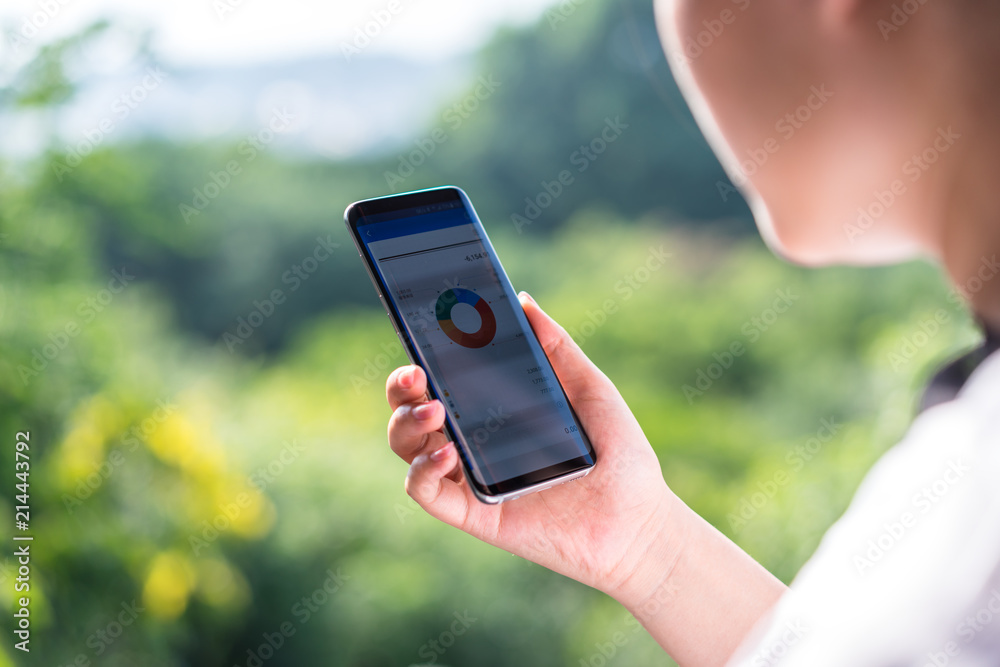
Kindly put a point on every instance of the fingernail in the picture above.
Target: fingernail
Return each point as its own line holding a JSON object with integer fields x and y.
{"x": 527, "y": 296}
{"x": 440, "y": 453}
{"x": 424, "y": 411}
{"x": 406, "y": 378}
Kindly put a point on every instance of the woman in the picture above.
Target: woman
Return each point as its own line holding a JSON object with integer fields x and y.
{"x": 861, "y": 131}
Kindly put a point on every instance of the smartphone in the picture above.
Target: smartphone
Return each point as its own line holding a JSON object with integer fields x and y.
{"x": 459, "y": 319}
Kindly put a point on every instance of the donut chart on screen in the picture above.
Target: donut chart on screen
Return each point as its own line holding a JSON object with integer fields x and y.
{"x": 474, "y": 339}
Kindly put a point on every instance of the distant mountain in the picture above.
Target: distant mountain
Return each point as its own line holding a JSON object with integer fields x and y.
{"x": 340, "y": 109}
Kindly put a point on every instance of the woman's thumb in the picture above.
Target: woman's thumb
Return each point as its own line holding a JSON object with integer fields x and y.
{"x": 577, "y": 374}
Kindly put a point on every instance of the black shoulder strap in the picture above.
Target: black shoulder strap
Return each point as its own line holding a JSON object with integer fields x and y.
{"x": 948, "y": 381}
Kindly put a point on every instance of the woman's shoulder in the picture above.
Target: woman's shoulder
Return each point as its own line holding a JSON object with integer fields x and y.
{"x": 916, "y": 553}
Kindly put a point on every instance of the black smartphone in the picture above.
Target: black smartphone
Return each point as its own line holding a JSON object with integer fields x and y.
{"x": 459, "y": 319}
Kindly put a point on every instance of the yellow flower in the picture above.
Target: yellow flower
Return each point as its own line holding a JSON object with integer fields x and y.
{"x": 168, "y": 585}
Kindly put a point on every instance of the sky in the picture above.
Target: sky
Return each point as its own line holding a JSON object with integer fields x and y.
{"x": 209, "y": 35}
{"x": 219, "y": 32}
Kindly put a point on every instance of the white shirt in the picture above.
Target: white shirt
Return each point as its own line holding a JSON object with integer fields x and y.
{"x": 910, "y": 575}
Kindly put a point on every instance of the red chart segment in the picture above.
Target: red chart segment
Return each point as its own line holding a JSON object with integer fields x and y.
{"x": 488, "y": 321}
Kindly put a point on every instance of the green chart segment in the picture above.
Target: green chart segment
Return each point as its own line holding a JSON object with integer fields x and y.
{"x": 488, "y": 321}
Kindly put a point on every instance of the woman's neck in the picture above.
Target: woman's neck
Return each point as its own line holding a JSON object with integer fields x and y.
{"x": 970, "y": 231}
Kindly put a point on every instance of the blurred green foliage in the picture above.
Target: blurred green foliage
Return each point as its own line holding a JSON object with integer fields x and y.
{"x": 192, "y": 502}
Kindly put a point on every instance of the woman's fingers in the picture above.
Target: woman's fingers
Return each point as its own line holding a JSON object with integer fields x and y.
{"x": 415, "y": 420}
{"x": 431, "y": 484}
{"x": 406, "y": 384}
{"x": 435, "y": 477}
{"x": 428, "y": 471}
{"x": 415, "y": 425}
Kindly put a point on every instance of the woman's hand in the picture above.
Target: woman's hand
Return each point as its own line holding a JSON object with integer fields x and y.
{"x": 598, "y": 529}
{"x": 619, "y": 529}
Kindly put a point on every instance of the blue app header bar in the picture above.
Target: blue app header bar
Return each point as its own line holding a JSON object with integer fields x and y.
{"x": 392, "y": 225}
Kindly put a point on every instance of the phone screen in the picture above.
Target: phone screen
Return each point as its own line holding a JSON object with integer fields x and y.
{"x": 441, "y": 276}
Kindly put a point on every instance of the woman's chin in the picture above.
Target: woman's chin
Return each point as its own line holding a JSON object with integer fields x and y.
{"x": 822, "y": 241}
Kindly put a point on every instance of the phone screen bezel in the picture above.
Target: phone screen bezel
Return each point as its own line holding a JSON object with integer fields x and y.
{"x": 490, "y": 493}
